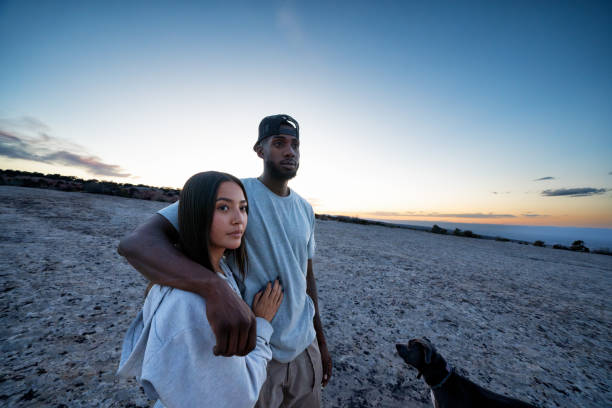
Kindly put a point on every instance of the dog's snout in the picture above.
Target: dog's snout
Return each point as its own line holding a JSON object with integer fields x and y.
{"x": 401, "y": 349}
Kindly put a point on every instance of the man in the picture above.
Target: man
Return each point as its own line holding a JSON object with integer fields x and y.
{"x": 280, "y": 243}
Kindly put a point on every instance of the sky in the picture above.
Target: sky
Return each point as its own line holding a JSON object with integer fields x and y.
{"x": 486, "y": 112}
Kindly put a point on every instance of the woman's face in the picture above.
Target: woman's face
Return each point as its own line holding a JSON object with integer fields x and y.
{"x": 229, "y": 218}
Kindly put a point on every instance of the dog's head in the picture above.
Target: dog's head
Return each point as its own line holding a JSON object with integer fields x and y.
{"x": 418, "y": 353}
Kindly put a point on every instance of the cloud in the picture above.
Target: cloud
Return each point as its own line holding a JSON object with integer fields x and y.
{"x": 534, "y": 215}
{"x": 545, "y": 178}
{"x": 610, "y": 173}
{"x": 472, "y": 215}
{"x": 392, "y": 213}
{"x": 440, "y": 215}
{"x": 574, "y": 192}
{"x": 25, "y": 122}
{"x": 90, "y": 163}
{"x": 51, "y": 150}
{"x": 500, "y": 192}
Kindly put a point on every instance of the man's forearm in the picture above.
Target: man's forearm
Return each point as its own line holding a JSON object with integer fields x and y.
{"x": 311, "y": 289}
{"x": 151, "y": 253}
{"x": 326, "y": 360}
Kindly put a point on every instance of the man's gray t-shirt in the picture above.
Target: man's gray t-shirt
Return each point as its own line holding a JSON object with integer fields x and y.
{"x": 280, "y": 241}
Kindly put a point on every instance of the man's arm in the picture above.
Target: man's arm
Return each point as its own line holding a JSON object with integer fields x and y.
{"x": 149, "y": 249}
{"x": 311, "y": 289}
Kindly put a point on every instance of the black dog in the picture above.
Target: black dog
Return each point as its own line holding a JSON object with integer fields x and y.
{"x": 449, "y": 389}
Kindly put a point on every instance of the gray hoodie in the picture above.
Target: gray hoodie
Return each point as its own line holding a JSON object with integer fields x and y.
{"x": 168, "y": 348}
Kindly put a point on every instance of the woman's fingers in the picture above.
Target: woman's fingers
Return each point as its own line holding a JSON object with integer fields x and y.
{"x": 268, "y": 289}
{"x": 280, "y": 299}
{"x": 267, "y": 301}
{"x": 271, "y": 295}
{"x": 278, "y": 292}
{"x": 256, "y": 298}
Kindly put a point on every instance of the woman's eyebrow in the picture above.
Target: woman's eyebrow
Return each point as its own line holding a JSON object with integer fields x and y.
{"x": 229, "y": 199}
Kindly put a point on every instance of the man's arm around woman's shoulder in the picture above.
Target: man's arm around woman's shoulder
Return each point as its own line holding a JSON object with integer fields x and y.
{"x": 150, "y": 250}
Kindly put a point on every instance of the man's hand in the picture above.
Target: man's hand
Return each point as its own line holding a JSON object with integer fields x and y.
{"x": 231, "y": 320}
{"x": 326, "y": 362}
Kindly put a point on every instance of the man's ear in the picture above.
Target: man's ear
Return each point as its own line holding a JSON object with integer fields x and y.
{"x": 258, "y": 148}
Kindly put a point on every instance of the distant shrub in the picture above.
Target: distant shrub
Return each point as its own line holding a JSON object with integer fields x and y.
{"x": 94, "y": 188}
{"x": 559, "y": 246}
{"x": 538, "y": 243}
{"x": 579, "y": 246}
{"x": 602, "y": 251}
{"x": 470, "y": 234}
{"x": 457, "y": 231}
{"x": 437, "y": 230}
{"x": 502, "y": 239}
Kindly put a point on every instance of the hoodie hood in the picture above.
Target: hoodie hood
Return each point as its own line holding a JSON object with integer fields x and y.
{"x": 136, "y": 338}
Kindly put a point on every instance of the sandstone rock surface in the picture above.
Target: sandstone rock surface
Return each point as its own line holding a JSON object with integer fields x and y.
{"x": 528, "y": 322}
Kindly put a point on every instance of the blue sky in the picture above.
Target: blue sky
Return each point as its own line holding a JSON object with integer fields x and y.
{"x": 422, "y": 110}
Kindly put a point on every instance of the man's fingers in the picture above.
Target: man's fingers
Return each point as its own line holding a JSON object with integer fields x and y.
{"x": 326, "y": 376}
{"x": 232, "y": 343}
{"x": 327, "y": 367}
{"x": 221, "y": 346}
{"x": 231, "y": 320}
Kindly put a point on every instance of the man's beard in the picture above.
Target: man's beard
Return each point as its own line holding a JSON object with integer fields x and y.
{"x": 279, "y": 174}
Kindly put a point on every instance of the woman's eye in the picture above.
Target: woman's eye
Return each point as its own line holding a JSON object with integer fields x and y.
{"x": 243, "y": 208}
{"x": 223, "y": 208}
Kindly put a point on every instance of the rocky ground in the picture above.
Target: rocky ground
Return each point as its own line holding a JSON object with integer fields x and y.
{"x": 529, "y": 322}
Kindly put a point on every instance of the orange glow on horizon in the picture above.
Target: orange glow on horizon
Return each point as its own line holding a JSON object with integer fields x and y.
{"x": 584, "y": 221}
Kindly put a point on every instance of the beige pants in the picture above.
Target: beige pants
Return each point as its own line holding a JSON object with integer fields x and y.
{"x": 294, "y": 384}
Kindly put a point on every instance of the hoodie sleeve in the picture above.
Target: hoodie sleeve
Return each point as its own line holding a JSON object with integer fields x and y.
{"x": 186, "y": 373}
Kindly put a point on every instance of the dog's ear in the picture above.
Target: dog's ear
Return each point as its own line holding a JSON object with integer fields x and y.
{"x": 427, "y": 349}
{"x": 428, "y": 353}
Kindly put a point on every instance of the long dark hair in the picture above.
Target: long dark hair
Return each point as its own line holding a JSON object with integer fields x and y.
{"x": 196, "y": 208}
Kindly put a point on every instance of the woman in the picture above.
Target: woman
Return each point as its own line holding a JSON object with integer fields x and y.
{"x": 169, "y": 346}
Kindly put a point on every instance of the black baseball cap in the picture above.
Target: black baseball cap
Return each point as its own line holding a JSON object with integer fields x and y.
{"x": 271, "y": 126}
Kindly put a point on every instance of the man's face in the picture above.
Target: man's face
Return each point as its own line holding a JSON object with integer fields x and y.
{"x": 281, "y": 155}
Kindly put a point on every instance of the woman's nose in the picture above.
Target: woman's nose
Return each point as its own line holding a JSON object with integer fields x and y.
{"x": 238, "y": 217}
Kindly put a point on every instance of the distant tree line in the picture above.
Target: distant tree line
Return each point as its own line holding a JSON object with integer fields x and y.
{"x": 577, "y": 246}
{"x": 94, "y": 186}
{"x": 167, "y": 194}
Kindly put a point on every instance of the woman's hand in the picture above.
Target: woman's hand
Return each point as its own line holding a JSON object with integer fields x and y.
{"x": 267, "y": 301}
